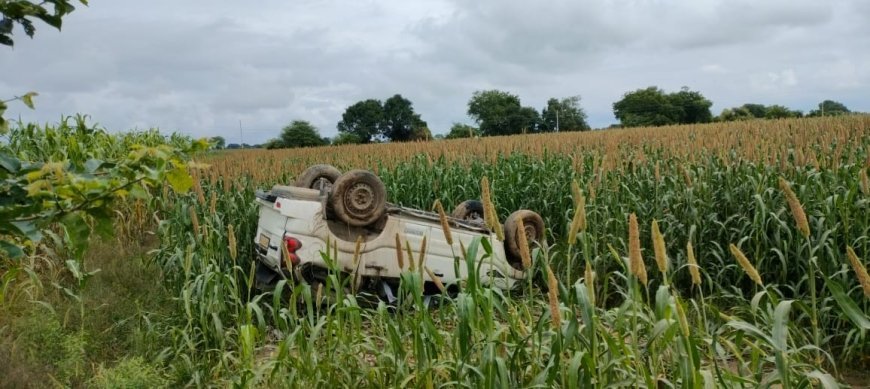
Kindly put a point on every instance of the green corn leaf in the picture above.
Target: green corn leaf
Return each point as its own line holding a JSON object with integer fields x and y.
{"x": 780, "y": 339}
{"x": 827, "y": 381}
{"x": 780, "y": 325}
{"x": 850, "y": 309}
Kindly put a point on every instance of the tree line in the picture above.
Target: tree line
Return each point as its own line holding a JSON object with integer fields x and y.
{"x": 497, "y": 112}
{"x": 494, "y": 112}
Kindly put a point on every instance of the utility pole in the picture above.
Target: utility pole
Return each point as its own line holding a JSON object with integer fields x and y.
{"x": 241, "y": 137}
{"x": 557, "y": 120}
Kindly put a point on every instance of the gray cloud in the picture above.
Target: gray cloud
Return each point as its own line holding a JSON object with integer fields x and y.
{"x": 202, "y": 66}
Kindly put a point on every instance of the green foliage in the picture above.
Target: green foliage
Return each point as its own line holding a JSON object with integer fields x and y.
{"x": 653, "y": 107}
{"x": 72, "y": 174}
{"x": 23, "y": 13}
{"x": 780, "y": 112}
{"x": 400, "y": 122}
{"x": 757, "y": 111}
{"x": 421, "y": 134}
{"x": 394, "y": 120}
{"x": 218, "y": 142}
{"x": 460, "y": 130}
{"x": 645, "y": 107}
{"x": 44, "y": 342}
{"x": 346, "y": 138}
{"x": 27, "y": 99}
{"x": 298, "y": 133}
{"x": 692, "y": 106}
{"x": 735, "y": 114}
{"x": 363, "y": 119}
{"x": 564, "y": 115}
{"x": 829, "y": 108}
{"x": 500, "y": 113}
{"x": 129, "y": 373}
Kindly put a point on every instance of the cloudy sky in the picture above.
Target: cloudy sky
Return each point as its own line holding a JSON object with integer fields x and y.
{"x": 200, "y": 67}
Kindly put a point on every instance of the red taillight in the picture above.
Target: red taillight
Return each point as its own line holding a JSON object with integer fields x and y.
{"x": 292, "y": 244}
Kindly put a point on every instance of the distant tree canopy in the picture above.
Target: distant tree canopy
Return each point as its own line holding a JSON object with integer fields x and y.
{"x": 298, "y": 133}
{"x": 363, "y": 119}
{"x": 653, "y": 107}
{"x": 830, "y": 108}
{"x": 394, "y": 120}
{"x": 460, "y": 130}
{"x": 500, "y": 113}
{"x": 218, "y": 142}
{"x": 757, "y": 111}
{"x": 563, "y": 115}
{"x": 346, "y": 138}
{"x": 400, "y": 122}
{"x": 781, "y": 112}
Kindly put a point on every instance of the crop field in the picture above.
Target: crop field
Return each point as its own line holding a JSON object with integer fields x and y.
{"x": 717, "y": 255}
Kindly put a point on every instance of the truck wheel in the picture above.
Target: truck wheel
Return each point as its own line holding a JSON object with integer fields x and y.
{"x": 534, "y": 230}
{"x": 317, "y": 175}
{"x": 359, "y": 198}
{"x": 470, "y": 210}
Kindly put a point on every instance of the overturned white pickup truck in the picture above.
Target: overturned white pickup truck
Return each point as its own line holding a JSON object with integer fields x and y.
{"x": 296, "y": 222}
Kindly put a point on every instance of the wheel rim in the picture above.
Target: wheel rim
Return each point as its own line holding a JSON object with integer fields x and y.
{"x": 359, "y": 200}
{"x": 531, "y": 233}
{"x": 322, "y": 182}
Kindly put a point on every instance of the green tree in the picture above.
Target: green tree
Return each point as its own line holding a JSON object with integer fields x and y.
{"x": 830, "y": 108}
{"x": 735, "y": 114}
{"x": 526, "y": 119}
{"x": 218, "y": 142}
{"x": 460, "y": 130}
{"x": 271, "y": 144}
{"x": 756, "y": 110}
{"x": 563, "y": 115}
{"x": 346, "y": 138}
{"x": 691, "y": 106}
{"x": 780, "y": 112}
{"x": 300, "y": 133}
{"x": 653, "y": 107}
{"x": 363, "y": 119}
{"x": 400, "y": 122}
{"x": 23, "y": 13}
{"x": 646, "y": 107}
{"x": 500, "y": 113}
{"x": 421, "y": 134}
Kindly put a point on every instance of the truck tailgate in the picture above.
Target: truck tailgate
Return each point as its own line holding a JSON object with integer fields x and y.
{"x": 270, "y": 232}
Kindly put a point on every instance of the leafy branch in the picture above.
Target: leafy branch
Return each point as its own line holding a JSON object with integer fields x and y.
{"x": 79, "y": 195}
{"x": 23, "y": 13}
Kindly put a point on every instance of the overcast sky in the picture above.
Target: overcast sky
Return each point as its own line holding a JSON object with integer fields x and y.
{"x": 200, "y": 67}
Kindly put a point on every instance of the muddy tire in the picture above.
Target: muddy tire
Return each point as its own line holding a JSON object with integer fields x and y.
{"x": 359, "y": 198}
{"x": 317, "y": 175}
{"x": 534, "y": 230}
{"x": 468, "y": 210}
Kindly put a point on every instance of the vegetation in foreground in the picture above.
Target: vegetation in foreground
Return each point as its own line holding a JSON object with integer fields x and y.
{"x": 717, "y": 255}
